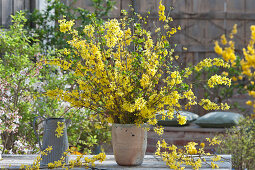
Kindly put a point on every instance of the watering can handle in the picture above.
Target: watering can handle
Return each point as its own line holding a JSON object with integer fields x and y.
{"x": 36, "y": 134}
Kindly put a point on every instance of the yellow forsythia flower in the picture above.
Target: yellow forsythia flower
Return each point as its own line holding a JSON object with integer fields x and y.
{"x": 181, "y": 119}
{"x": 161, "y": 12}
{"x": 218, "y": 80}
{"x": 216, "y": 158}
{"x": 159, "y": 130}
{"x": 213, "y": 141}
{"x": 60, "y": 129}
{"x": 213, "y": 165}
{"x": 191, "y": 148}
{"x": 223, "y": 39}
{"x": 234, "y": 78}
{"x": 65, "y": 26}
{"x": 217, "y": 48}
{"x": 249, "y": 102}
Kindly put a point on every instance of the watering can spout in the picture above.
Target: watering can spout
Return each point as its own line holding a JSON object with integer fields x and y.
{"x": 68, "y": 122}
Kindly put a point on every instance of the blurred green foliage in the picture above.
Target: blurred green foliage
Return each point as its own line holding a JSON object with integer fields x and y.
{"x": 221, "y": 93}
{"x": 44, "y": 24}
{"x": 239, "y": 141}
{"x": 19, "y": 72}
{"x": 34, "y": 37}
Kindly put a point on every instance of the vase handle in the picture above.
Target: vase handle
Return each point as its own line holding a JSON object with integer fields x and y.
{"x": 36, "y": 134}
{"x": 68, "y": 122}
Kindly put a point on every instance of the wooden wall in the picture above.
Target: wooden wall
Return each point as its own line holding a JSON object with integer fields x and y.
{"x": 8, "y": 7}
{"x": 202, "y": 21}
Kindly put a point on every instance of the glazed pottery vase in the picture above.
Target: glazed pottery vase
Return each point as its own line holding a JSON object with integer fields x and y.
{"x": 129, "y": 144}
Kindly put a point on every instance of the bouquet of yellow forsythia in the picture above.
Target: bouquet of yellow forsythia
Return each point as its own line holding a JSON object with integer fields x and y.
{"x": 127, "y": 76}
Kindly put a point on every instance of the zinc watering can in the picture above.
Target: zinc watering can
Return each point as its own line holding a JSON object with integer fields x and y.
{"x": 59, "y": 143}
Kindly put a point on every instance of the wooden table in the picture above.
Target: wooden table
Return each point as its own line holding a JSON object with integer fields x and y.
{"x": 150, "y": 162}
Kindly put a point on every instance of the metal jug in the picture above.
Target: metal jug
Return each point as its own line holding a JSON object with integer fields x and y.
{"x": 59, "y": 144}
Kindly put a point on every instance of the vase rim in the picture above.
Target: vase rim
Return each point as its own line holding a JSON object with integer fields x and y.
{"x": 55, "y": 118}
{"x": 129, "y": 125}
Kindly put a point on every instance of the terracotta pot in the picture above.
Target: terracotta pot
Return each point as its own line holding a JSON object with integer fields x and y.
{"x": 129, "y": 144}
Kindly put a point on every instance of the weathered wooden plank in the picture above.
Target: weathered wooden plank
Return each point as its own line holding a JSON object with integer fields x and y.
{"x": 213, "y": 15}
{"x": 179, "y": 37}
{"x": 200, "y": 6}
{"x": 200, "y": 48}
{"x": 216, "y": 5}
{"x": 150, "y": 162}
{"x": 215, "y": 29}
{"x": 86, "y": 4}
{"x": 115, "y": 12}
{"x": 247, "y": 31}
{"x": 239, "y": 38}
{"x": 195, "y": 48}
{"x": 41, "y": 4}
{"x": 189, "y": 5}
{"x": 234, "y": 6}
{"x": 18, "y": 5}
{"x": 32, "y": 5}
{"x": 147, "y": 5}
{"x": 168, "y": 4}
{"x": 249, "y": 6}
{"x": 1, "y": 14}
{"x": 197, "y": 32}
{"x": 6, "y": 12}
{"x": 27, "y": 4}
{"x": 125, "y": 4}
{"x": 179, "y": 6}
{"x": 188, "y": 58}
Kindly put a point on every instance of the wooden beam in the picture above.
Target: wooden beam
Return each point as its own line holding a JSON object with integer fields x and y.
{"x": 200, "y": 48}
{"x": 214, "y": 15}
{"x": 210, "y": 16}
{"x": 6, "y": 12}
{"x": 27, "y": 5}
{"x": 32, "y": 5}
{"x": 1, "y": 12}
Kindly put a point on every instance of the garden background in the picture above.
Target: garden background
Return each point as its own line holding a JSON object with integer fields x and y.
{"x": 202, "y": 22}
